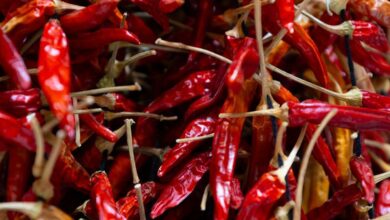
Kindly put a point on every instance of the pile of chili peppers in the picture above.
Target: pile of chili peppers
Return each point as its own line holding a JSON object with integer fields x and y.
{"x": 197, "y": 109}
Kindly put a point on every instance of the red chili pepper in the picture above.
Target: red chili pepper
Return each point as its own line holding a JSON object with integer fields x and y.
{"x": 378, "y": 10}
{"x": 336, "y": 204}
{"x": 198, "y": 127}
{"x": 168, "y": 6}
{"x": 323, "y": 38}
{"x": 237, "y": 196}
{"x": 128, "y": 206}
{"x": 370, "y": 34}
{"x": 182, "y": 184}
{"x": 363, "y": 173}
{"x": 102, "y": 38}
{"x": 97, "y": 127}
{"x": 12, "y": 63}
{"x": 101, "y": 197}
{"x": 286, "y": 13}
{"x": 120, "y": 174}
{"x": 382, "y": 204}
{"x": 151, "y": 7}
{"x": 20, "y": 102}
{"x": 88, "y": 18}
{"x": 54, "y": 75}
{"x": 116, "y": 102}
{"x": 139, "y": 28}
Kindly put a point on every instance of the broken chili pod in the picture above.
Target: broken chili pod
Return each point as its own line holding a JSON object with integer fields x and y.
{"x": 102, "y": 198}
{"x": 20, "y": 102}
{"x": 182, "y": 184}
{"x": 101, "y": 38}
{"x": 54, "y": 75}
{"x": 364, "y": 176}
{"x": 89, "y": 17}
{"x": 12, "y": 63}
{"x": 97, "y": 127}
{"x": 382, "y": 203}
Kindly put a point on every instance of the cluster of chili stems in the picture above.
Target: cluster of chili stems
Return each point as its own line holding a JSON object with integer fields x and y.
{"x": 78, "y": 74}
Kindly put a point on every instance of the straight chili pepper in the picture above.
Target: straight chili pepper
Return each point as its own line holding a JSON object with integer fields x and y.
{"x": 382, "y": 204}
{"x": 97, "y": 127}
{"x": 370, "y": 34}
{"x": 182, "y": 184}
{"x": 101, "y": 197}
{"x": 198, "y": 127}
{"x": 88, "y": 18}
{"x": 102, "y": 38}
{"x": 364, "y": 176}
{"x": 54, "y": 74}
{"x": 20, "y": 102}
{"x": 12, "y": 63}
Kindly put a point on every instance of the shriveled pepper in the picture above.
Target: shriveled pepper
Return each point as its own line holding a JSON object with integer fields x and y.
{"x": 375, "y": 9}
{"x": 363, "y": 173}
{"x": 20, "y": 102}
{"x": 54, "y": 75}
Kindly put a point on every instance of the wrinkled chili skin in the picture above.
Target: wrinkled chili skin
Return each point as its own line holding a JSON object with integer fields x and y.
{"x": 182, "y": 184}
{"x": 370, "y": 34}
{"x": 196, "y": 128}
{"x": 336, "y": 204}
{"x": 54, "y": 75}
{"x": 355, "y": 118}
{"x": 374, "y": 100}
{"x": 237, "y": 195}
{"x": 20, "y": 102}
{"x": 151, "y": 7}
{"x": 364, "y": 176}
{"x": 102, "y": 38}
{"x": 382, "y": 204}
{"x": 98, "y": 128}
{"x": 88, "y": 18}
{"x": 101, "y": 197}
{"x": 12, "y": 63}
{"x": 378, "y": 10}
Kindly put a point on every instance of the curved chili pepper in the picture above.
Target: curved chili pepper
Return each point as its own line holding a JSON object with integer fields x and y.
{"x": 198, "y": 127}
{"x": 89, "y": 17}
{"x": 336, "y": 204}
{"x": 286, "y": 13}
{"x": 370, "y": 34}
{"x": 97, "y": 127}
{"x": 54, "y": 74}
{"x": 101, "y": 197}
{"x": 20, "y": 102}
{"x": 102, "y": 38}
{"x": 151, "y": 7}
{"x": 363, "y": 173}
{"x": 128, "y": 206}
{"x": 139, "y": 28}
{"x": 182, "y": 184}
{"x": 382, "y": 204}
{"x": 377, "y": 10}
{"x": 12, "y": 63}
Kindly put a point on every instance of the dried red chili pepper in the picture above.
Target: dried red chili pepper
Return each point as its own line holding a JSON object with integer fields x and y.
{"x": 363, "y": 173}
{"x": 237, "y": 196}
{"x": 377, "y": 10}
{"x": 198, "y": 127}
{"x": 12, "y": 63}
{"x": 336, "y": 204}
{"x": 182, "y": 184}
{"x": 101, "y": 197}
{"x": 97, "y": 127}
{"x": 322, "y": 37}
{"x": 116, "y": 102}
{"x": 382, "y": 204}
{"x": 151, "y": 7}
{"x": 102, "y": 38}
{"x": 54, "y": 74}
{"x": 120, "y": 174}
{"x": 139, "y": 28}
{"x": 286, "y": 13}
{"x": 88, "y": 18}
{"x": 20, "y": 102}
{"x": 370, "y": 34}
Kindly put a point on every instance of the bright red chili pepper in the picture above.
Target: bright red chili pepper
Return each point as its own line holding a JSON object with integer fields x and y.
{"x": 180, "y": 186}
{"x": 286, "y": 13}
{"x": 12, "y": 63}
{"x": 54, "y": 74}
{"x": 88, "y": 18}
{"x": 382, "y": 204}
{"x": 198, "y": 127}
{"x": 97, "y": 127}
{"x": 151, "y": 7}
{"x": 370, "y": 34}
{"x": 20, "y": 102}
{"x": 237, "y": 196}
{"x": 102, "y": 38}
{"x": 101, "y": 197}
{"x": 363, "y": 173}
{"x": 336, "y": 204}
{"x": 377, "y": 10}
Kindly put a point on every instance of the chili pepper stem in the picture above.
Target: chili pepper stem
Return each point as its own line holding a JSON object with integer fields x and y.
{"x": 87, "y": 111}
{"x": 31, "y": 41}
{"x": 278, "y": 144}
{"x": 39, "y": 160}
{"x": 203, "y": 202}
{"x": 383, "y": 146}
{"x": 183, "y": 140}
{"x": 119, "y": 66}
{"x": 42, "y": 186}
{"x": 281, "y": 213}
{"x": 280, "y": 113}
{"x": 31, "y": 209}
{"x": 113, "y": 115}
{"x": 61, "y": 6}
{"x": 104, "y": 145}
{"x": 381, "y": 163}
{"x": 77, "y": 125}
{"x": 380, "y": 177}
{"x": 237, "y": 31}
{"x": 305, "y": 161}
{"x": 135, "y": 87}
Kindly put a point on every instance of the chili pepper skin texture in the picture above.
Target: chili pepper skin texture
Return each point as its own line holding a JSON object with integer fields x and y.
{"x": 97, "y": 127}
{"x": 101, "y": 197}
{"x": 374, "y": 100}
{"x": 88, "y": 18}
{"x": 363, "y": 174}
{"x": 54, "y": 75}
{"x": 286, "y": 14}
{"x": 182, "y": 184}
{"x": 382, "y": 204}
{"x": 20, "y": 102}
{"x": 12, "y": 63}
{"x": 370, "y": 34}
{"x": 151, "y": 7}
{"x": 379, "y": 10}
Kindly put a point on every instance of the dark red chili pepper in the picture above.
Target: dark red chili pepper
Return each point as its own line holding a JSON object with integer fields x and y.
{"x": 139, "y": 28}
{"x": 237, "y": 196}
{"x": 54, "y": 75}
{"x": 88, "y": 18}
{"x": 12, "y": 63}
{"x": 364, "y": 176}
{"x": 20, "y": 102}
{"x": 198, "y": 127}
{"x": 128, "y": 206}
{"x": 116, "y": 102}
{"x": 336, "y": 204}
{"x": 102, "y": 38}
{"x": 101, "y": 197}
{"x": 120, "y": 174}
{"x": 322, "y": 37}
{"x": 286, "y": 13}
{"x": 370, "y": 34}
{"x": 151, "y": 7}
{"x": 382, "y": 204}
{"x": 168, "y": 6}
{"x": 97, "y": 127}
{"x": 182, "y": 184}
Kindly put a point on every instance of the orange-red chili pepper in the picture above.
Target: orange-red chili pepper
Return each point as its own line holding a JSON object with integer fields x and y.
{"x": 382, "y": 203}
{"x": 168, "y": 6}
